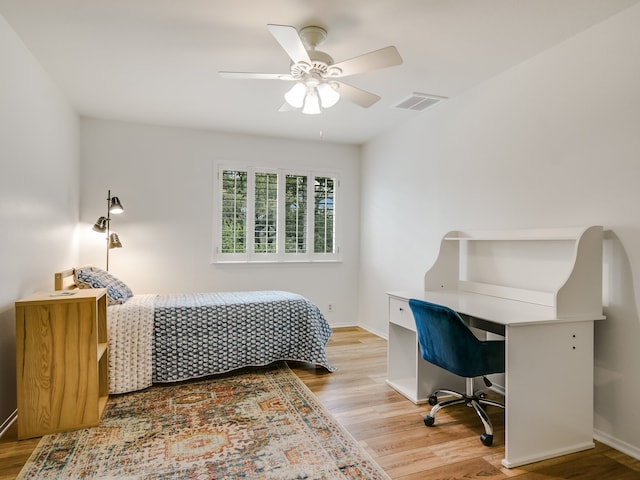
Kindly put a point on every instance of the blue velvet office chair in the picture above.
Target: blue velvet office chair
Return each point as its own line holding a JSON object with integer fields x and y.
{"x": 446, "y": 341}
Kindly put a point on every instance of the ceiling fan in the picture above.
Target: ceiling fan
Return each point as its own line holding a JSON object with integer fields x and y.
{"x": 316, "y": 75}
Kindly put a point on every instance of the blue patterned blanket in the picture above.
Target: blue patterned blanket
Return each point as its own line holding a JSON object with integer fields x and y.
{"x": 200, "y": 334}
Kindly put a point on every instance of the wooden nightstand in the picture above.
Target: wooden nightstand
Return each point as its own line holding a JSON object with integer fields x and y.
{"x": 61, "y": 361}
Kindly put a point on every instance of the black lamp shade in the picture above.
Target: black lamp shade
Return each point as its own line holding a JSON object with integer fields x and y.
{"x": 115, "y": 206}
{"x": 114, "y": 241}
{"x": 100, "y": 225}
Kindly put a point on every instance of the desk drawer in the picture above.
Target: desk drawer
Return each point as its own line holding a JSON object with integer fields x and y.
{"x": 400, "y": 314}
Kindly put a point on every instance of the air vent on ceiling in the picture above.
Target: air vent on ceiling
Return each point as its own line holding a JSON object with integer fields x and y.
{"x": 419, "y": 101}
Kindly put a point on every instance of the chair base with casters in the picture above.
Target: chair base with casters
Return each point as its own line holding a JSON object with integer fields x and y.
{"x": 469, "y": 398}
{"x": 446, "y": 341}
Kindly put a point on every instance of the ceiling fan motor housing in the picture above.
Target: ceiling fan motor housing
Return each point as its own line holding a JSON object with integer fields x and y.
{"x": 321, "y": 63}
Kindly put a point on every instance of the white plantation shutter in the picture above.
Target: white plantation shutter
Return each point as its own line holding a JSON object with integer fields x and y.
{"x": 266, "y": 213}
{"x": 296, "y": 191}
{"x": 324, "y": 217}
{"x": 275, "y": 215}
{"x": 233, "y": 211}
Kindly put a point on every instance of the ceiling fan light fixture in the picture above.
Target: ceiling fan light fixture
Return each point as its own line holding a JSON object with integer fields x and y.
{"x": 311, "y": 103}
{"x": 295, "y": 96}
{"x": 329, "y": 96}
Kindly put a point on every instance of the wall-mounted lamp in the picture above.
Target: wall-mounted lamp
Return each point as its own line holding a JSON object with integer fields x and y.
{"x": 103, "y": 224}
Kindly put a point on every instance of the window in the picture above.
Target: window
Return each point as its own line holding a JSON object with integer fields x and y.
{"x": 275, "y": 215}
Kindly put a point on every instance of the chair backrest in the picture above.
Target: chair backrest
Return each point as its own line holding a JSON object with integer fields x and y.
{"x": 446, "y": 341}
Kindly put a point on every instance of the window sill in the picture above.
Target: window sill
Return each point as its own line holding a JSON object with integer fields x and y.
{"x": 273, "y": 262}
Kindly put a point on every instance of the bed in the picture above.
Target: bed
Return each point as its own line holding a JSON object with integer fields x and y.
{"x": 168, "y": 338}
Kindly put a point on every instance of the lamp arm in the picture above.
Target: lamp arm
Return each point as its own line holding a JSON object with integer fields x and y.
{"x": 108, "y": 224}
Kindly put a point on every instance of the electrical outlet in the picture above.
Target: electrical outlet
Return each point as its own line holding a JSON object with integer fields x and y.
{"x": 330, "y": 307}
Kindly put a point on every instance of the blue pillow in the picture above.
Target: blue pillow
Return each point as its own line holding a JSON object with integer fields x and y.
{"x": 93, "y": 277}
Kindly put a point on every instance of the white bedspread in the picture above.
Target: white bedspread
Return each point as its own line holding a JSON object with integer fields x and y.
{"x": 130, "y": 329}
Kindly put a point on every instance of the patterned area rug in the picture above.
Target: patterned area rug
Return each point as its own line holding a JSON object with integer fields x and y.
{"x": 259, "y": 424}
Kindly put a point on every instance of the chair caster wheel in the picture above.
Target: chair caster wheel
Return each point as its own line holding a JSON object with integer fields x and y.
{"x": 433, "y": 400}
{"x": 429, "y": 420}
{"x": 487, "y": 440}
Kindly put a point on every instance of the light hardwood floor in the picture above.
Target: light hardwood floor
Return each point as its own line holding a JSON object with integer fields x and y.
{"x": 391, "y": 428}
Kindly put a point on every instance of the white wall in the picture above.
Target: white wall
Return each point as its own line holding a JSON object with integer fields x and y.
{"x": 165, "y": 178}
{"x": 38, "y": 191}
{"x": 554, "y": 141}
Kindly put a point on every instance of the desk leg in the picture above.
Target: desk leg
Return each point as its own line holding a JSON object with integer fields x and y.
{"x": 549, "y": 391}
{"x": 409, "y": 374}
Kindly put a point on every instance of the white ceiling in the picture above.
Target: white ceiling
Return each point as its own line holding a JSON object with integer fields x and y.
{"x": 156, "y": 61}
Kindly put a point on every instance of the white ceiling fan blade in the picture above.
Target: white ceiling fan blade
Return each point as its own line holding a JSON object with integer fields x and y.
{"x": 254, "y": 75}
{"x": 356, "y": 95}
{"x": 288, "y": 38}
{"x": 383, "y": 58}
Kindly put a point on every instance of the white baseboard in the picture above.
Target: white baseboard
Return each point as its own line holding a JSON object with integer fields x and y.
{"x": 375, "y": 332}
{"x": 343, "y": 325}
{"x": 8, "y": 422}
{"x": 626, "y": 448}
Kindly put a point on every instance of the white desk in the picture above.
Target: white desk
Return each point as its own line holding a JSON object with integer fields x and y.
{"x": 548, "y": 330}
{"x": 548, "y": 377}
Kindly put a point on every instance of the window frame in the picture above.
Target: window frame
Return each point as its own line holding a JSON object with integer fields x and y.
{"x": 280, "y": 256}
